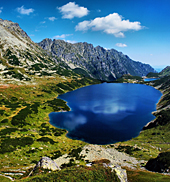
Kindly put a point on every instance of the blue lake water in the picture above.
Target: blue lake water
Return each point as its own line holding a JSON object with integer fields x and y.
{"x": 107, "y": 113}
{"x": 150, "y": 79}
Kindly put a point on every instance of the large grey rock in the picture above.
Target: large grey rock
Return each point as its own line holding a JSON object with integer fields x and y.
{"x": 47, "y": 163}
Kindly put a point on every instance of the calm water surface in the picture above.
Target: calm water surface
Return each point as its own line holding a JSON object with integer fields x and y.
{"x": 107, "y": 113}
{"x": 150, "y": 79}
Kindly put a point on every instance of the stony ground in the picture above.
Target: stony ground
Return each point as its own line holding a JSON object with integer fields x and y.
{"x": 96, "y": 152}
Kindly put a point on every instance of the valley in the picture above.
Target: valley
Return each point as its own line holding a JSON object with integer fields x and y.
{"x": 31, "y": 78}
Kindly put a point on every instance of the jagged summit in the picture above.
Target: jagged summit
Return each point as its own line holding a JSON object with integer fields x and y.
{"x": 96, "y": 61}
{"x": 14, "y": 27}
{"x": 21, "y": 58}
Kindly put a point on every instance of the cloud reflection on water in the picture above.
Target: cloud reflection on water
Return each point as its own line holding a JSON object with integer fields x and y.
{"x": 111, "y": 112}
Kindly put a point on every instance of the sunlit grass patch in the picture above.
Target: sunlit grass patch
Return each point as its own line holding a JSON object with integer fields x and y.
{"x": 26, "y": 134}
{"x": 141, "y": 176}
{"x": 74, "y": 174}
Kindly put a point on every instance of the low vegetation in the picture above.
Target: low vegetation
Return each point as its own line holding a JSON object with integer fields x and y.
{"x": 129, "y": 79}
{"x": 77, "y": 174}
{"x": 155, "y": 138}
{"x": 26, "y": 134}
{"x": 141, "y": 176}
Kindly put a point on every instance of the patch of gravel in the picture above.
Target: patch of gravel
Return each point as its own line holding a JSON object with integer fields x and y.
{"x": 64, "y": 159}
{"x": 96, "y": 152}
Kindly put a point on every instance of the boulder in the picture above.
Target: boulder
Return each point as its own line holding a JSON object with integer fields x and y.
{"x": 46, "y": 163}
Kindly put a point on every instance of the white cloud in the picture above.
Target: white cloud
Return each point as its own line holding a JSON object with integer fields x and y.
{"x": 63, "y": 36}
{"x": 71, "y": 10}
{"x": 52, "y": 18}
{"x": 1, "y": 8}
{"x": 121, "y": 45}
{"x": 24, "y": 11}
{"x": 71, "y": 120}
{"x": 111, "y": 24}
{"x": 71, "y": 41}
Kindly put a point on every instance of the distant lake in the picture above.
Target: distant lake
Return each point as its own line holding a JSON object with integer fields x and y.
{"x": 107, "y": 113}
{"x": 150, "y": 79}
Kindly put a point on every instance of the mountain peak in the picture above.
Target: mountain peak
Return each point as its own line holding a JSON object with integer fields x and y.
{"x": 98, "y": 62}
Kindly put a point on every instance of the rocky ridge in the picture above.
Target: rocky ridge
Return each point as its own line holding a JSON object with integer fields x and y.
{"x": 97, "y": 62}
{"x": 21, "y": 59}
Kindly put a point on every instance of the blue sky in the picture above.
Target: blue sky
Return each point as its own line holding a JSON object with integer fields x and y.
{"x": 138, "y": 28}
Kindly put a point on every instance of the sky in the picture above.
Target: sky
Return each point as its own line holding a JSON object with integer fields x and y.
{"x": 137, "y": 28}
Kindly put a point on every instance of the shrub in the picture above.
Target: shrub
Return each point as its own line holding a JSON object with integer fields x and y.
{"x": 11, "y": 144}
{"x": 46, "y": 139}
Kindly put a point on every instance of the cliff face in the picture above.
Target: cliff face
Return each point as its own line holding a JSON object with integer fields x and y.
{"x": 96, "y": 61}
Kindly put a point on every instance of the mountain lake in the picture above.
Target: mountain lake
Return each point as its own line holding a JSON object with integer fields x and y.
{"x": 107, "y": 113}
{"x": 150, "y": 79}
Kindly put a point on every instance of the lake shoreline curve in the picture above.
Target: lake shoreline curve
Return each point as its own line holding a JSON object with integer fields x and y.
{"x": 70, "y": 109}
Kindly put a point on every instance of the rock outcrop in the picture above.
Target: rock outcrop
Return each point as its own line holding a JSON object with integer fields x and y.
{"x": 95, "y": 152}
{"x": 46, "y": 163}
{"x": 96, "y": 61}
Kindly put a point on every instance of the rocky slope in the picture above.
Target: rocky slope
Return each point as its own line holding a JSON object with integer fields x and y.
{"x": 96, "y": 62}
{"x": 21, "y": 59}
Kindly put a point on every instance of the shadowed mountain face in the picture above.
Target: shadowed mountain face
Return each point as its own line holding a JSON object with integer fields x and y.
{"x": 96, "y": 61}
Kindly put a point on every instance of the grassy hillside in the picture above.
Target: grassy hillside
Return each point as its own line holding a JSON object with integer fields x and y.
{"x": 165, "y": 71}
{"x": 26, "y": 134}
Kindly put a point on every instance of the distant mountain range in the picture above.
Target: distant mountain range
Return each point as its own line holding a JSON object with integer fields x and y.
{"x": 164, "y": 72}
{"x": 96, "y": 62}
{"x": 21, "y": 59}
